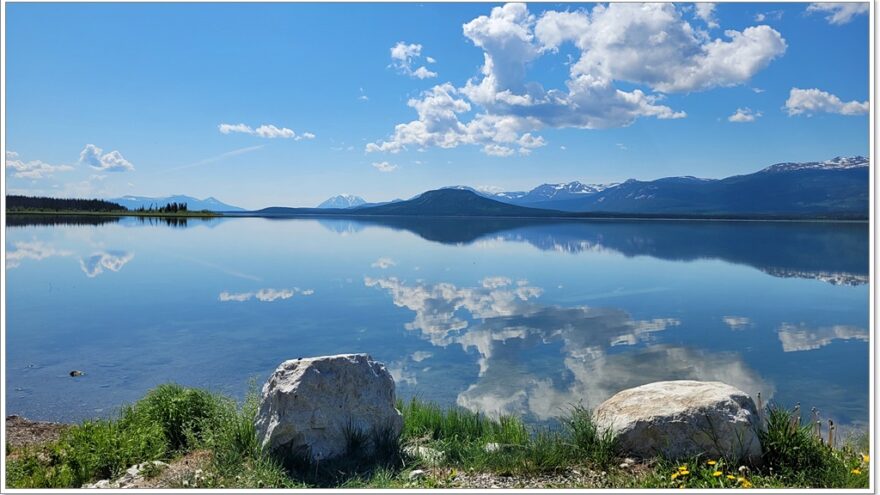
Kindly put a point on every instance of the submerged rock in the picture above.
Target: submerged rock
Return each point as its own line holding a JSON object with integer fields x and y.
{"x": 319, "y": 408}
{"x": 679, "y": 419}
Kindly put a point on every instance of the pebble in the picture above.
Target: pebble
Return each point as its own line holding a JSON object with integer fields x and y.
{"x": 416, "y": 474}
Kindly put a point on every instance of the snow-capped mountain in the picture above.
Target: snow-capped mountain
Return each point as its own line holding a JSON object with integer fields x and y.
{"x": 836, "y": 163}
{"x": 343, "y": 201}
{"x": 551, "y": 192}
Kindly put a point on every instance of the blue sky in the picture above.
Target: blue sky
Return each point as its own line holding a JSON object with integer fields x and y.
{"x": 513, "y": 95}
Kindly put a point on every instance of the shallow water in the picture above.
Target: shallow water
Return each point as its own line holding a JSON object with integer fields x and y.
{"x": 500, "y": 316}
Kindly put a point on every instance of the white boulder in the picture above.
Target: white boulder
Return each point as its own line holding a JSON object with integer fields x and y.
{"x": 684, "y": 418}
{"x": 311, "y": 408}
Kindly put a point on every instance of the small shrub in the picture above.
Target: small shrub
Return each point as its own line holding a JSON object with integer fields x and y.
{"x": 183, "y": 413}
{"x": 591, "y": 443}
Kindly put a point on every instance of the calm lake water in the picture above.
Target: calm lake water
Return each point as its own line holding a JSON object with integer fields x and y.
{"x": 500, "y": 316}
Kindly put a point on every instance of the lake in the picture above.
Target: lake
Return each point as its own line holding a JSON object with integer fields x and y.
{"x": 501, "y": 316}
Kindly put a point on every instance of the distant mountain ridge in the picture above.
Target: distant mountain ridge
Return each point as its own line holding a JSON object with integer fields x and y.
{"x": 836, "y": 188}
{"x": 193, "y": 204}
{"x": 838, "y": 185}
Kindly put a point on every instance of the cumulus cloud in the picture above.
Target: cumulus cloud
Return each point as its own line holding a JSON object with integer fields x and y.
{"x": 839, "y": 13}
{"x": 743, "y": 115}
{"x": 263, "y": 295}
{"x": 662, "y": 52}
{"x": 268, "y": 131}
{"x": 803, "y": 338}
{"x": 405, "y": 55}
{"x": 383, "y": 263}
{"x": 95, "y": 264}
{"x": 34, "y": 169}
{"x": 812, "y": 101}
{"x": 384, "y": 166}
{"x": 113, "y": 161}
{"x": 706, "y": 12}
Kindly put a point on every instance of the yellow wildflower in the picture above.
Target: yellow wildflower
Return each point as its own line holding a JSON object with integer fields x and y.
{"x": 685, "y": 472}
{"x": 746, "y": 484}
{"x": 711, "y": 463}
{"x": 731, "y": 477}
{"x": 856, "y": 471}
{"x": 866, "y": 458}
{"x": 716, "y": 474}
{"x": 674, "y": 475}
{"x": 683, "y": 467}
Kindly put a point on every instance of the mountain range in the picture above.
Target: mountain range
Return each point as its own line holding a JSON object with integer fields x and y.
{"x": 833, "y": 187}
{"x": 192, "y": 204}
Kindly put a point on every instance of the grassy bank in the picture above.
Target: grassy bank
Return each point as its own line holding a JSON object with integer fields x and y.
{"x": 454, "y": 448}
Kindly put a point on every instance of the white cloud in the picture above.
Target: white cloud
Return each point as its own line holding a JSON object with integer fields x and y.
{"x": 384, "y": 166}
{"x": 663, "y": 53}
{"x": 383, "y": 263}
{"x": 263, "y": 295}
{"x": 268, "y": 131}
{"x": 770, "y": 15}
{"x": 743, "y": 115}
{"x": 95, "y": 264}
{"x": 812, "y": 101}
{"x": 403, "y": 57}
{"x": 839, "y": 13}
{"x": 34, "y": 169}
{"x": 113, "y": 161}
{"x": 706, "y": 12}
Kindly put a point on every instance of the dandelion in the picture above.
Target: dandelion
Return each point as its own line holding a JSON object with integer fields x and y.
{"x": 717, "y": 474}
{"x": 856, "y": 471}
{"x": 685, "y": 472}
{"x": 731, "y": 477}
{"x": 683, "y": 467}
{"x": 674, "y": 475}
{"x": 711, "y": 463}
{"x": 866, "y": 458}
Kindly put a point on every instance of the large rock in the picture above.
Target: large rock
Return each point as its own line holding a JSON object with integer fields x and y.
{"x": 312, "y": 407}
{"x": 679, "y": 419}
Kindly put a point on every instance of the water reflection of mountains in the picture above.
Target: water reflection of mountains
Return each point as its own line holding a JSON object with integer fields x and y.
{"x": 833, "y": 252}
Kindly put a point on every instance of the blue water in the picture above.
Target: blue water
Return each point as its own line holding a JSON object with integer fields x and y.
{"x": 499, "y": 316}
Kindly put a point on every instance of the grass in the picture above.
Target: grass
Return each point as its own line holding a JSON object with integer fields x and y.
{"x": 171, "y": 421}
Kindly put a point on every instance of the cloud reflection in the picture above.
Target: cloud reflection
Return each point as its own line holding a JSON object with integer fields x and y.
{"x": 510, "y": 331}
{"x": 800, "y": 337}
{"x": 95, "y": 264}
{"x": 736, "y": 322}
{"x": 34, "y": 250}
{"x": 263, "y": 295}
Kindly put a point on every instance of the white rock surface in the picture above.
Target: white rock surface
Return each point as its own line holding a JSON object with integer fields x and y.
{"x": 310, "y": 406}
{"x": 132, "y": 476}
{"x": 683, "y": 418}
{"x": 426, "y": 454}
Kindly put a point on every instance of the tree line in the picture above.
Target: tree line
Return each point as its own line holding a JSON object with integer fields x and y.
{"x": 38, "y": 203}
{"x": 14, "y": 202}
